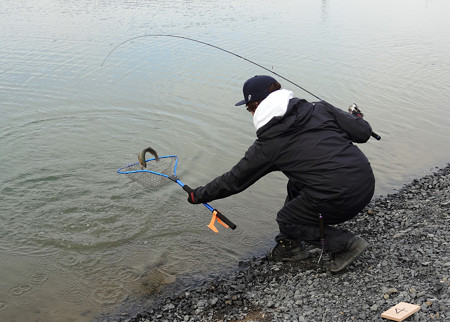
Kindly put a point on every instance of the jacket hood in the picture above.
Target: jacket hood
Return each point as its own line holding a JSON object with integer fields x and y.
{"x": 274, "y": 105}
{"x": 296, "y": 114}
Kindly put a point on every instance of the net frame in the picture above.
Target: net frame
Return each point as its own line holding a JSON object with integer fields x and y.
{"x": 157, "y": 170}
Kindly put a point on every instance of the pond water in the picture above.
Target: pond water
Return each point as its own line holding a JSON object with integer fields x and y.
{"x": 78, "y": 240}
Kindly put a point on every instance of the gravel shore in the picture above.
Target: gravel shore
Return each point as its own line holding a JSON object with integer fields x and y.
{"x": 408, "y": 261}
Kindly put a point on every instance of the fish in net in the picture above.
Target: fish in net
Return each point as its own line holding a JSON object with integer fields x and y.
{"x": 154, "y": 175}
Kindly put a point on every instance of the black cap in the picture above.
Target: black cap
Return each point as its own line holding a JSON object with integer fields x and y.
{"x": 256, "y": 89}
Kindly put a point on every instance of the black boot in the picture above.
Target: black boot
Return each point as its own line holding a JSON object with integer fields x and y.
{"x": 340, "y": 260}
{"x": 289, "y": 250}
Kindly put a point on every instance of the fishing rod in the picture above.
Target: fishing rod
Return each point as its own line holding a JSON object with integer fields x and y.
{"x": 210, "y": 45}
{"x": 376, "y": 136}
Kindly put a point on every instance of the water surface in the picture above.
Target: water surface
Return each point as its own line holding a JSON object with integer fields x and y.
{"x": 77, "y": 239}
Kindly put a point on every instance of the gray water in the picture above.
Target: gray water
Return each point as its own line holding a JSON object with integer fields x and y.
{"x": 77, "y": 239}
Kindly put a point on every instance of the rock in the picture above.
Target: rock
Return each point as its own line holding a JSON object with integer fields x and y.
{"x": 391, "y": 291}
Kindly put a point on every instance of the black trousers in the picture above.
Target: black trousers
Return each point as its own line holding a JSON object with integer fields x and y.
{"x": 299, "y": 219}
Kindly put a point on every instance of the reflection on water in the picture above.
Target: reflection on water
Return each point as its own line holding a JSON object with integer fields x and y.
{"x": 77, "y": 239}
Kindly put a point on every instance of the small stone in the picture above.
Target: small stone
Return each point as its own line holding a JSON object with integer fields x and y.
{"x": 391, "y": 291}
{"x": 202, "y": 303}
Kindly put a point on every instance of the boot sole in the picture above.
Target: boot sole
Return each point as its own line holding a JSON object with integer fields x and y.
{"x": 296, "y": 258}
{"x": 362, "y": 246}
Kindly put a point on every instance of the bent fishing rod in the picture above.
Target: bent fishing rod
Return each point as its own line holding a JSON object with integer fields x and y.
{"x": 373, "y": 134}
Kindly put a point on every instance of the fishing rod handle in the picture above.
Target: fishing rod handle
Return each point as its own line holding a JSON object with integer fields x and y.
{"x": 376, "y": 136}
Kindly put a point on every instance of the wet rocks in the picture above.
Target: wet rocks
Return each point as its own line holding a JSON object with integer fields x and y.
{"x": 408, "y": 261}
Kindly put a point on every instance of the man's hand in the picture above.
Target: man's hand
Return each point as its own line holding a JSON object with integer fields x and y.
{"x": 191, "y": 198}
{"x": 191, "y": 195}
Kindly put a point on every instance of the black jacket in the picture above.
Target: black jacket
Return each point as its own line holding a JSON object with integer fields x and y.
{"x": 312, "y": 145}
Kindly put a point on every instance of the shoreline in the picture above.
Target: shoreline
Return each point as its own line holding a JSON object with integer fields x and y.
{"x": 408, "y": 260}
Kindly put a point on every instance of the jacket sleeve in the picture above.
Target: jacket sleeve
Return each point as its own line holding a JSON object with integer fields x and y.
{"x": 356, "y": 127}
{"x": 254, "y": 165}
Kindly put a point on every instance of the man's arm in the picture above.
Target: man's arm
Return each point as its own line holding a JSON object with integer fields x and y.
{"x": 246, "y": 172}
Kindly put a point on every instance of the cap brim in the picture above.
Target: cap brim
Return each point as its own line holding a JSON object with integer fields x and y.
{"x": 240, "y": 103}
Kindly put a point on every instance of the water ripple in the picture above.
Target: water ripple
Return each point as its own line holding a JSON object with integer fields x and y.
{"x": 78, "y": 238}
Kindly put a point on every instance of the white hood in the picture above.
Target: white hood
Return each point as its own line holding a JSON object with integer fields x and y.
{"x": 273, "y": 105}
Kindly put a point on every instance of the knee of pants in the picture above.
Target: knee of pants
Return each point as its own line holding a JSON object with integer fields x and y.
{"x": 299, "y": 211}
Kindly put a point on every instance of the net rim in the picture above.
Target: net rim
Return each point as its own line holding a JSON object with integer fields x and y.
{"x": 122, "y": 171}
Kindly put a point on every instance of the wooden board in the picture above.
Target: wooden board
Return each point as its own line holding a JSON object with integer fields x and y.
{"x": 400, "y": 312}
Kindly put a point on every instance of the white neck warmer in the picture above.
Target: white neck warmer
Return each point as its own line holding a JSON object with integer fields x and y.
{"x": 273, "y": 105}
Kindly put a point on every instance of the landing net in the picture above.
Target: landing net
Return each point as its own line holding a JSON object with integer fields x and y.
{"x": 155, "y": 174}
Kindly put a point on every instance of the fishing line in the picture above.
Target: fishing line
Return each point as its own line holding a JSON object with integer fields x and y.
{"x": 376, "y": 136}
{"x": 213, "y": 46}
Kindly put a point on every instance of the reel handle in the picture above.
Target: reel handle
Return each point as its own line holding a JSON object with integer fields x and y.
{"x": 353, "y": 109}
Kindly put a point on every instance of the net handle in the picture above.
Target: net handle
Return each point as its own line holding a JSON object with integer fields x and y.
{"x": 216, "y": 213}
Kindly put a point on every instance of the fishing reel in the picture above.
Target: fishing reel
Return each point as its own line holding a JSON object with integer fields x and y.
{"x": 353, "y": 109}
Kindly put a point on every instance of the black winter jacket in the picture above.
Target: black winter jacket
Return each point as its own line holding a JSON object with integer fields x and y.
{"x": 312, "y": 145}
